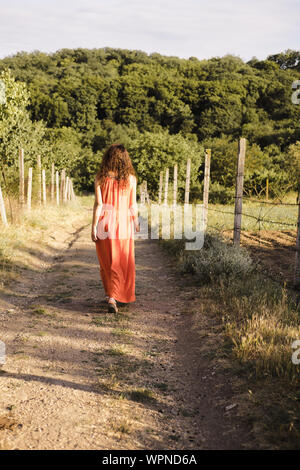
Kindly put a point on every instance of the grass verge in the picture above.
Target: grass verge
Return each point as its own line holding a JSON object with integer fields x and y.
{"x": 36, "y": 234}
{"x": 260, "y": 320}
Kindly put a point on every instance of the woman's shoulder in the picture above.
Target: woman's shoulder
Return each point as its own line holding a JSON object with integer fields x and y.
{"x": 132, "y": 179}
{"x": 96, "y": 181}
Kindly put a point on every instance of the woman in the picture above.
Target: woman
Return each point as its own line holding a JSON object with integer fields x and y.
{"x": 115, "y": 217}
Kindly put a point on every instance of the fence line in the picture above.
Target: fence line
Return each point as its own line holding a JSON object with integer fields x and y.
{"x": 258, "y": 219}
{"x": 29, "y": 189}
{"x": 270, "y": 203}
{"x": 62, "y": 185}
{"x": 65, "y": 192}
{"x": 166, "y": 187}
{"x": 57, "y": 187}
{"x": 206, "y": 186}
{"x": 238, "y": 211}
{"x": 161, "y": 176}
{"x": 39, "y": 169}
{"x": 52, "y": 181}
{"x": 187, "y": 181}
{"x": 21, "y": 178}
{"x": 66, "y": 189}
{"x": 239, "y": 191}
{"x": 44, "y": 187}
{"x": 2, "y": 208}
{"x": 175, "y": 175}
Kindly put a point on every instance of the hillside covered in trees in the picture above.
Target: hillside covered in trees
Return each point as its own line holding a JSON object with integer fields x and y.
{"x": 76, "y": 102}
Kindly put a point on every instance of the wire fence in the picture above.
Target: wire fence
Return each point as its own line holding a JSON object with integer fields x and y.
{"x": 262, "y": 219}
{"x": 59, "y": 188}
{"x": 247, "y": 214}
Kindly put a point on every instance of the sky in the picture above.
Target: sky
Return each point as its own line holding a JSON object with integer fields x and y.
{"x": 182, "y": 28}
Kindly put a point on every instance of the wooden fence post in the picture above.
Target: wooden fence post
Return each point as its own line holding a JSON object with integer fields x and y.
{"x": 297, "y": 259}
{"x": 8, "y": 196}
{"x": 57, "y": 187}
{"x": 187, "y": 181}
{"x": 161, "y": 177}
{"x": 29, "y": 189}
{"x": 239, "y": 191}
{"x": 69, "y": 189}
{"x": 2, "y": 208}
{"x": 73, "y": 197}
{"x": 52, "y": 181}
{"x": 166, "y": 187}
{"x": 175, "y": 185}
{"x": 142, "y": 193}
{"x": 66, "y": 189}
{"x": 22, "y": 180}
{"x": 39, "y": 169}
{"x": 146, "y": 192}
{"x": 267, "y": 189}
{"x": 206, "y": 186}
{"x": 44, "y": 186}
{"x": 62, "y": 184}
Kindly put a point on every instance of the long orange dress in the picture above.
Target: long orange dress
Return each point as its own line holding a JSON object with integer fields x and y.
{"x": 115, "y": 239}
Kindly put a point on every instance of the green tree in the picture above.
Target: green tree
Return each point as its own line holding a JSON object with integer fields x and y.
{"x": 154, "y": 152}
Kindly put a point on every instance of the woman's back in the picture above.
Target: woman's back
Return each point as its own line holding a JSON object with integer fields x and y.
{"x": 114, "y": 218}
{"x": 119, "y": 208}
{"x": 116, "y": 193}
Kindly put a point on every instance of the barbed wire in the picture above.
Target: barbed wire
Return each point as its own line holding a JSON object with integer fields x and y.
{"x": 271, "y": 203}
{"x": 258, "y": 219}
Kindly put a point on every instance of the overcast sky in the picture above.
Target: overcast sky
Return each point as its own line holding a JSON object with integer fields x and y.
{"x": 183, "y": 28}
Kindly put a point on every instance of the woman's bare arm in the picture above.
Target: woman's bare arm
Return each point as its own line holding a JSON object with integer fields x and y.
{"x": 134, "y": 206}
{"x": 96, "y": 210}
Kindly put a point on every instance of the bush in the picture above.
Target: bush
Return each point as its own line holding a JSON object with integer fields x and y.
{"x": 218, "y": 194}
{"x": 217, "y": 260}
{"x": 262, "y": 320}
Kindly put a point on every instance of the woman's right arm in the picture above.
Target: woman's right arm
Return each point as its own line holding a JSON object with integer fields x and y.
{"x": 96, "y": 210}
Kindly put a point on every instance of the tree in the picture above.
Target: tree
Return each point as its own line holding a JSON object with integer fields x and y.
{"x": 107, "y": 95}
{"x": 154, "y": 152}
{"x": 294, "y": 164}
{"x": 13, "y": 117}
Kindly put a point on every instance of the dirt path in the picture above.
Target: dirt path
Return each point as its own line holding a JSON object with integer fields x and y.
{"x": 79, "y": 378}
{"x": 274, "y": 249}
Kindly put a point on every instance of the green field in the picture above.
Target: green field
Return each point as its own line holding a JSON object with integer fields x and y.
{"x": 256, "y": 216}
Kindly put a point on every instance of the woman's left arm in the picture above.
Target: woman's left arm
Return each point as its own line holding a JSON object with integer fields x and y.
{"x": 133, "y": 205}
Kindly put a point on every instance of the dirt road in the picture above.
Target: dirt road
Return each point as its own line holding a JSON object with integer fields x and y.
{"x": 274, "y": 249}
{"x": 79, "y": 378}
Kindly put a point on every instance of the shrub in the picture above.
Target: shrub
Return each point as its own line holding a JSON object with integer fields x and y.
{"x": 218, "y": 194}
{"x": 216, "y": 260}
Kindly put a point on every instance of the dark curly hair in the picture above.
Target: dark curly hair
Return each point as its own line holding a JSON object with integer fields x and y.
{"x": 115, "y": 159}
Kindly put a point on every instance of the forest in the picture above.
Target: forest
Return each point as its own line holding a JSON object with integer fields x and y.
{"x": 68, "y": 106}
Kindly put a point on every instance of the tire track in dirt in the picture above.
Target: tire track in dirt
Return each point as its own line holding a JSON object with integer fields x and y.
{"x": 79, "y": 378}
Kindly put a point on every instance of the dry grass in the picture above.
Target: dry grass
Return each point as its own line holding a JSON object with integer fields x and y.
{"x": 32, "y": 233}
{"x": 141, "y": 395}
{"x": 262, "y": 318}
{"x": 122, "y": 332}
{"x": 260, "y": 321}
{"x": 9, "y": 423}
{"x": 117, "y": 350}
{"x": 122, "y": 426}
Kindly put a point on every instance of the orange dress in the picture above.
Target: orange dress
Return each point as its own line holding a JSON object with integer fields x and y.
{"x": 115, "y": 239}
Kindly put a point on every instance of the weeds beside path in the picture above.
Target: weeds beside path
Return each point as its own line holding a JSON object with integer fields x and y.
{"x": 79, "y": 378}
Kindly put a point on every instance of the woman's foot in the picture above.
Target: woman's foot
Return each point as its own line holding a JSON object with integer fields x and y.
{"x": 112, "y": 306}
